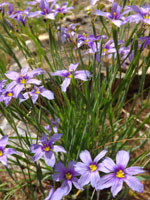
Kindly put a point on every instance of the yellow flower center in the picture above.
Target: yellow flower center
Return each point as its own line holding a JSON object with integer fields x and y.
{"x": 1, "y": 153}
{"x": 68, "y": 176}
{"x": 86, "y": 42}
{"x": 147, "y": 16}
{"x": 93, "y": 167}
{"x": 37, "y": 91}
{"x": 114, "y": 13}
{"x": 23, "y": 81}
{"x": 120, "y": 174}
{"x": 9, "y": 94}
{"x": 46, "y": 148}
{"x": 105, "y": 50}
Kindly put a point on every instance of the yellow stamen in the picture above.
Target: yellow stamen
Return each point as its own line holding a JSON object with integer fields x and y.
{"x": 105, "y": 50}
{"x": 23, "y": 81}
{"x": 78, "y": 192}
{"x": 68, "y": 176}
{"x": 114, "y": 13}
{"x": 10, "y": 94}
{"x": 46, "y": 148}
{"x": 1, "y": 153}
{"x": 93, "y": 167}
{"x": 120, "y": 174}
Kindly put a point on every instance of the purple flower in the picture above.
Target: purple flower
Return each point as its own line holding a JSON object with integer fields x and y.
{"x": 64, "y": 9}
{"x": 84, "y": 39}
{"x": 35, "y": 92}
{"x": 115, "y": 16}
{"x": 80, "y": 74}
{"x": 88, "y": 169}
{"x": 47, "y": 149}
{"x": 20, "y": 15}
{"x": 53, "y": 125}
{"x": 68, "y": 175}
{"x": 46, "y": 10}
{"x": 118, "y": 173}
{"x": 143, "y": 14}
{"x": 67, "y": 33}
{"x": 4, "y": 152}
{"x": 21, "y": 80}
{"x": 6, "y": 94}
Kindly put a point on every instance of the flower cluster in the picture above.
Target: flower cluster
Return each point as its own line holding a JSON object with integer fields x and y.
{"x": 88, "y": 171}
{"x": 21, "y": 82}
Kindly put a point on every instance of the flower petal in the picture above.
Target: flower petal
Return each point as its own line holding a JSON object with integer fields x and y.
{"x": 107, "y": 165}
{"x": 84, "y": 179}
{"x": 24, "y": 71}
{"x": 65, "y": 84}
{"x": 35, "y": 72}
{"x": 43, "y": 139}
{"x": 4, "y": 141}
{"x": 134, "y": 170}
{"x": 66, "y": 187}
{"x": 122, "y": 158}
{"x": 105, "y": 182}
{"x": 59, "y": 73}
{"x": 57, "y": 148}
{"x": 100, "y": 13}
{"x": 59, "y": 167}
{"x": 81, "y": 168}
{"x": 100, "y": 156}
{"x": 11, "y": 151}
{"x": 12, "y": 75}
{"x": 18, "y": 89}
{"x": 95, "y": 178}
{"x": 34, "y": 148}
{"x": 34, "y": 81}
{"x": 76, "y": 184}
{"x": 37, "y": 155}
{"x": 73, "y": 67}
{"x": 117, "y": 186}
{"x": 47, "y": 94}
{"x": 85, "y": 157}
{"x": 134, "y": 183}
{"x": 3, "y": 159}
{"x": 82, "y": 75}
{"x": 49, "y": 158}
{"x": 54, "y": 138}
